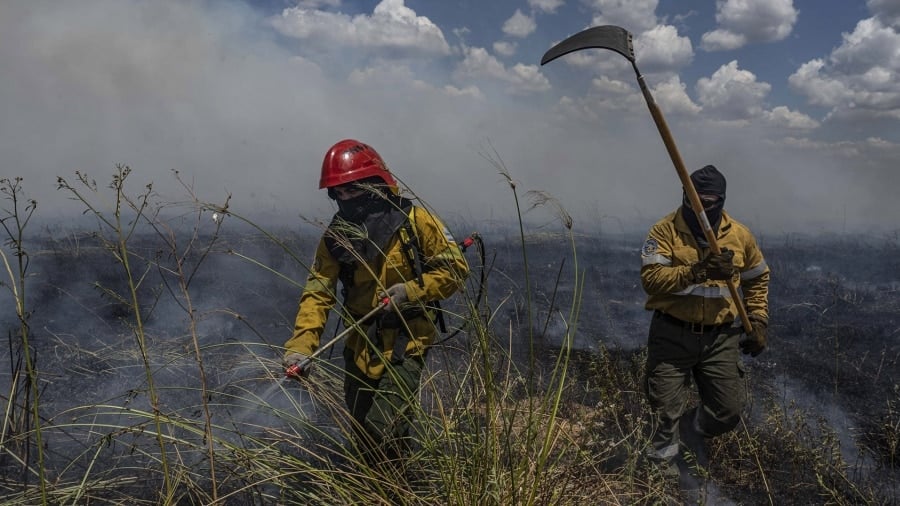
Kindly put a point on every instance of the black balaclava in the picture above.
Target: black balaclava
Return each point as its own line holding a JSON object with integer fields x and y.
{"x": 707, "y": 181}
{"x": 364, "y": 225}
{"x": 371, "y": 201}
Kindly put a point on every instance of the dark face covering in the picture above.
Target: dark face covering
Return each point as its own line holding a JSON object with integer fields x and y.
{"x": 364, "y": 225}
{"x": 707, "y": 181}
{"x": 356, "y": 209}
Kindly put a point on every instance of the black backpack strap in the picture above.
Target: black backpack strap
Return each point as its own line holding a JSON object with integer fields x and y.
{"x": 345, "y": 276}
{"x": 412, "y": 250}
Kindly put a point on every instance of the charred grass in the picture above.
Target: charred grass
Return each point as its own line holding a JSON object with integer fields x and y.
{"x": 156, "y": 380}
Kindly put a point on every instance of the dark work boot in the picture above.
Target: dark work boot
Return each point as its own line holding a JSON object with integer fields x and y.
{"x": 694, "y": 460}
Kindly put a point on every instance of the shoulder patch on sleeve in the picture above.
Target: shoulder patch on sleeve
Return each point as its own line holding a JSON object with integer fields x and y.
{"x": 650, "y": 247}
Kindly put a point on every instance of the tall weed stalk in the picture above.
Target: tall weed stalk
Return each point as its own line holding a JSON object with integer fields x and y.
{"x": 15, "y": 220}
{"x": 117, "y": 227}
{"x": 180, "y": 272}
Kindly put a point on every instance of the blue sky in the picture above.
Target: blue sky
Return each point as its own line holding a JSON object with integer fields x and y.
{"x": 796, "y": 101}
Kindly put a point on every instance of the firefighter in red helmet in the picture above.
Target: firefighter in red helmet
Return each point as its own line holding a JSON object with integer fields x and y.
{"x": 378, "y": 247}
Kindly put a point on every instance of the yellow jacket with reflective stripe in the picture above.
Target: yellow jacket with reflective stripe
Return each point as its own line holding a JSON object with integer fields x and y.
{"x": 445, "y": 270}
{"x": 666, "y": 259}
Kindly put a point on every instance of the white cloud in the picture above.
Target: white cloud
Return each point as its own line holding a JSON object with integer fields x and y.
{"x": 860, "y": 78}
{"x": 888, "y": 11}
{"x": 386, "y": 75}
{"x": 662, "y": 49}
{"x": 633, "y": 15}
{"x": 391, "y": 25}
{"x": 576, "y": 108}
{"x": 505, "y": 48}
{"x": 478, "y": 62}
{"x": 742, "y": 22}
{"x": 870, "y": 45}
{"x": 722, "y": 40}
{"x": 469, "y": 91}
{"x": 548, "y": 6}
{"x": 673, "y": 98}
{"x": 732, "y": 93}
{"x": 874, "y": 149}
{"x": 519, "y": 25}
{"x": 617, "y": 90}
{"x": 781, "y": 116}
{"x": 528, "y": 78}
{"x": 606, "y": 98}
{"x": 733, "y": 96}
{"x": 520, "y": 78}
{"x": 818, "y": 88}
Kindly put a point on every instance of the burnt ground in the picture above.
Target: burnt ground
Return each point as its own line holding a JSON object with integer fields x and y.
{"x": 834, "y": 325}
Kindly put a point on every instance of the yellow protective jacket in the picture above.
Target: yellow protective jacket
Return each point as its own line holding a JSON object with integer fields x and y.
{"x": 666, "y": 259}
{"x": 444, "y": 272}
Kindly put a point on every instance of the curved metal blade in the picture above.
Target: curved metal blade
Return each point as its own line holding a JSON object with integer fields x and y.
{"x": 610, "y": 37}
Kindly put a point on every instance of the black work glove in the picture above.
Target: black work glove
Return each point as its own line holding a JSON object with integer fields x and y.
{"x": 755, "y": 342}
{"x": 397, "y": 294}
{"x": 714, "y": 266}
{"x": 296, "y": 365}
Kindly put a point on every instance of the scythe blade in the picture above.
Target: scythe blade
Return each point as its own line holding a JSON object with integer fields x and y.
{"x": 614, "y": 38}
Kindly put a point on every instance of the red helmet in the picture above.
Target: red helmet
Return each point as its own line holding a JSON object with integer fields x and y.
{"x": 350, "y": 160}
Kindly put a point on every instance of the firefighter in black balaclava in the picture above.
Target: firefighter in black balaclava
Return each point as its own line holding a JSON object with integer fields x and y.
{"x": 693, "y": 338}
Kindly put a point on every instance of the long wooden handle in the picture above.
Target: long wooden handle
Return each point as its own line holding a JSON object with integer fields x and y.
{"x": 690, "y": 190}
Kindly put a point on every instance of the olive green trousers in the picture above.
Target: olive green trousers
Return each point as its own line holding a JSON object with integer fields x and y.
{"x": 383, "y": 410}
{"x": 680, "y": 357}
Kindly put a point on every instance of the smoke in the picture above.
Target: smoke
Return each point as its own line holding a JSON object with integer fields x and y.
{"x": 181, "y": 85}
{"x": 210, "y": 90}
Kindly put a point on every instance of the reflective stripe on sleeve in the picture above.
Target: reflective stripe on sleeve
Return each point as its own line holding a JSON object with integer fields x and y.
{"x": 655, "y": 259}
{"x": 446, "y": 255}
{"x": 754, "y": 272}
{"x": 707, "y": 292}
